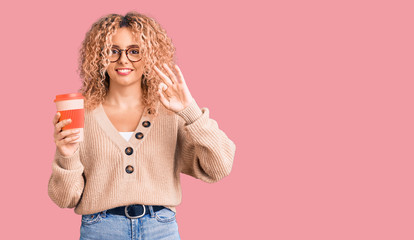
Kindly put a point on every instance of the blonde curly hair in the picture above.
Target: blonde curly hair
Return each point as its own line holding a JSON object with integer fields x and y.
{"x": 155, "y": 46}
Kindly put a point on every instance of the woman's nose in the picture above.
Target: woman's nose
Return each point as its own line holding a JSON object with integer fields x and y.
{"x": 123, "y": 58}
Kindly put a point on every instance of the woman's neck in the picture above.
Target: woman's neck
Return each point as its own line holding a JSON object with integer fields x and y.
{"x": 124, "y": 97}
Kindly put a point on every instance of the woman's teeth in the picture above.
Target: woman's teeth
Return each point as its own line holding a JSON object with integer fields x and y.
{"x": 124, "y": 71}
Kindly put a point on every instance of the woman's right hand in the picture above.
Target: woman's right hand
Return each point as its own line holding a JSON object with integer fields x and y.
{"x": 63, "y": 139}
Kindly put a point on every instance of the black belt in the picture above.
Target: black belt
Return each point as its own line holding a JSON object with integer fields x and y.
{"x": 133, "y": 211}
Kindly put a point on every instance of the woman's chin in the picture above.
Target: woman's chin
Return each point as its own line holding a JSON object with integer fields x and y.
{"x": 126, "y": 80}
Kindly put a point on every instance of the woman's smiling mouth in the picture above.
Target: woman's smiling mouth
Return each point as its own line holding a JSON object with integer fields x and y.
{"x": 123, "y": 71}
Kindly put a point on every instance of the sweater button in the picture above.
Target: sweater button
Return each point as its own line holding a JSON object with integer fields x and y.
{"x": 129, "y": 169}
{"x": 139, "y": 135}
{"x": 146, "y": 124}
{"x": 129, "y": 150}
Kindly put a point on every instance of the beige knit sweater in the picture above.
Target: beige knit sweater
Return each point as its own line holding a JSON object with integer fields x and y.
{"x": 95, "y": 177}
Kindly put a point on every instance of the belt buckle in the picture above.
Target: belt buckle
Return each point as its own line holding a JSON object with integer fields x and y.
{"x": 134, "y": 217}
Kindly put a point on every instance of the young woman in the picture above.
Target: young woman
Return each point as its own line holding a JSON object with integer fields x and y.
{"x": 142, "y": 129}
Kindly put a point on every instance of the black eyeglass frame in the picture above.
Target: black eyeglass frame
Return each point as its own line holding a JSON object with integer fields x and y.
{"x": 126, "y": 53}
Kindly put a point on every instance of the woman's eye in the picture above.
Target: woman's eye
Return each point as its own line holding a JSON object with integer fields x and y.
{"x": 134, "y": 51}
{"x": 114, "y": 51}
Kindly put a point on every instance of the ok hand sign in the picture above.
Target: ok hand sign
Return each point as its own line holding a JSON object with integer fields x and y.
{"x": 173, "y": 91}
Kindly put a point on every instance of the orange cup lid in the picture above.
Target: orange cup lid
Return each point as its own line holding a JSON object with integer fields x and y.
{"x": 68, "y": 96}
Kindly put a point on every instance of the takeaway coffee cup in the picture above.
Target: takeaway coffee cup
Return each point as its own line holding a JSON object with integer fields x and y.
{"x": 71, "y": 106}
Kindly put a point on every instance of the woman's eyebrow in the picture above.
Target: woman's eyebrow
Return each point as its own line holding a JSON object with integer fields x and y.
{"x": 133, "y": 45}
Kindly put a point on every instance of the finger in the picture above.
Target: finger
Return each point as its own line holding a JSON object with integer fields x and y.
{"x": 162, "y": 88}
{"x": 70, "y": 139}
{"x": 180, "y": 74}
{"x": 170, "y": 73}
{"x": 67, "y": 139}
{"x": 162, "y": 97}
{"x": 67, "y": 133}
{"x": 56, "y": 118}
{"x": 163, "y": 76}
{"x": 61, "y": 124}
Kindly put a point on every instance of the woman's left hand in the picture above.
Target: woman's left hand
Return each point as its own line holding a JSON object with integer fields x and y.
{"x": 173, "y": 92}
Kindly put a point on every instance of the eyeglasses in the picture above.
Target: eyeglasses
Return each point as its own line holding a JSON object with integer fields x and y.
{"x": 132, "y": 54}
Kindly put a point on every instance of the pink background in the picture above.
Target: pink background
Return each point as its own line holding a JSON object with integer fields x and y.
{"x": 317, "y": 96}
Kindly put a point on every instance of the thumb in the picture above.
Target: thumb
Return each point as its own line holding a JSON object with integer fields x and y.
{"x": 162, "y": 97}
{"x": 162, "y": 86}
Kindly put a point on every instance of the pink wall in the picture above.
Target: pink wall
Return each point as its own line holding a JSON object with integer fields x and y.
{"x": 317, "y": 96}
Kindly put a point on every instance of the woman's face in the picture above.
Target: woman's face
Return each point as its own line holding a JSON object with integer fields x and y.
{"x": 123, "y": 39}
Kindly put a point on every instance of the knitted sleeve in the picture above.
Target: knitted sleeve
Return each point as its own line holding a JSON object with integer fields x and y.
{"x": 203, "y": 150}
{"x": 66, "y": 182}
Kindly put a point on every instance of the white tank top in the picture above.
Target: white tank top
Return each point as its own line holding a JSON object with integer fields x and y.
{"x": 126, "y": 135}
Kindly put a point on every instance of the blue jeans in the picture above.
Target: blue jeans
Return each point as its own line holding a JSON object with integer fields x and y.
{"x": 153, "y": 226}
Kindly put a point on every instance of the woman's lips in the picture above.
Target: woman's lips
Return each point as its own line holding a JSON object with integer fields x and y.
{"x": 124, "y": 72}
